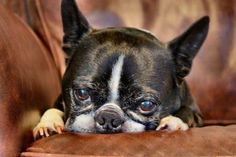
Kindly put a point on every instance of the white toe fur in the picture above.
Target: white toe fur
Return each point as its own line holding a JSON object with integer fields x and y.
{"x": 172, "y": 123}
{"x": 51, "y": 119}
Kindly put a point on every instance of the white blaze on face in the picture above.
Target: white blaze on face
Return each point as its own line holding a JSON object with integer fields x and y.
{"x": 115, "y": 79}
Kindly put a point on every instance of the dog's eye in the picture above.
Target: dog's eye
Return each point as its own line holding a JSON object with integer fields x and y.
{"x": 81, "y": 94}
{"x": 147, "y": 107}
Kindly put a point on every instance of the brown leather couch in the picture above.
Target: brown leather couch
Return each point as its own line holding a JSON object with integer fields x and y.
{"x": 31, "y": 65}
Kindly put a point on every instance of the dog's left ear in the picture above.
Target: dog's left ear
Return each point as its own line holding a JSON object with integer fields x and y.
{"x": 185, "y": 47}
{"x": 75, "y": 25}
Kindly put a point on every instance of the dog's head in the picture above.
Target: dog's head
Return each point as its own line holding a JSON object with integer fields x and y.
{"x": 122, "y": 79}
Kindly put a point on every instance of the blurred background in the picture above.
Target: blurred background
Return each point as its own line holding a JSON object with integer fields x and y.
{"x": 213, "y": 77}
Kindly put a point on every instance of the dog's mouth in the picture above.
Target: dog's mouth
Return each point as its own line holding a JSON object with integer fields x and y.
{"x": 106, "y": 129}
{"x": 87, "y": 124}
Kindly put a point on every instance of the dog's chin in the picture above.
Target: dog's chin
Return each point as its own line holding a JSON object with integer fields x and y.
{"x": 85, "y": 123}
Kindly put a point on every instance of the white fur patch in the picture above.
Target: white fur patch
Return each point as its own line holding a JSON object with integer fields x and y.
{"x": 115, "y": 79}
{"x": 132, "y": 126}
{"x": 82, "y": 123}
{"x": 172, "y": 123}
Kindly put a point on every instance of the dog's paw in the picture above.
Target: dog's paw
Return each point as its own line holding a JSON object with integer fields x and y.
{"x": 50, "y": 123}
{"x": 171, "y": 123}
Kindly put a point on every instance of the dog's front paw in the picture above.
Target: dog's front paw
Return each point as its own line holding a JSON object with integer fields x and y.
{"x": 171, "y": 123}
{"x": 50, "y": 123}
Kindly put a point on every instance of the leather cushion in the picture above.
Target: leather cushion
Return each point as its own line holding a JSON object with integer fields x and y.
{"x": 206, "y": 141}
{"x": 29, "y": 83}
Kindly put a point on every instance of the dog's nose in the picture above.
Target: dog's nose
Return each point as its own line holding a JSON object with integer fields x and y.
{"x": 109, "y": 118}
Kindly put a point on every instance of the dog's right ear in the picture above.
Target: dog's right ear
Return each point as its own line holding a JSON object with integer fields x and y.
{"x": 75, "y": 25}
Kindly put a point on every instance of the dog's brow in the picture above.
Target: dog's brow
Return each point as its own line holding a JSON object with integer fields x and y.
{"x": 115, "y": 79}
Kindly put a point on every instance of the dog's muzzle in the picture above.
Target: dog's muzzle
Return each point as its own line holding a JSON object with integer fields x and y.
{"x": 109, "y": 118}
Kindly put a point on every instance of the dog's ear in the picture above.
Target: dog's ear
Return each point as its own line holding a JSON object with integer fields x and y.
{"x": 185, "y": 47}
{"x": 75, "y": 25}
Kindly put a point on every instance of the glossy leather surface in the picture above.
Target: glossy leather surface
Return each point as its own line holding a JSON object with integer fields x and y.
{"x": 207, "y": 141}
{"x": 29, "y": 83}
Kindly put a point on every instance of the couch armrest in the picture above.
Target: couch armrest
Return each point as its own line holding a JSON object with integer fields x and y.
{"x": 29, "y": 83}
{"x": 206, "y": 141}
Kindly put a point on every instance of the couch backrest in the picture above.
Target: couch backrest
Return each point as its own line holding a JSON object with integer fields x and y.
{"x": 29, "y": 83}
{"x": 213, "y": 76}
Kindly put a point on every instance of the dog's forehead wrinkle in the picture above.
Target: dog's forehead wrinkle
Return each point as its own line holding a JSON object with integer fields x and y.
{"x": 83, "y": 81}
{"x": 149, "y": 89}
{"x": 109, "y": 48}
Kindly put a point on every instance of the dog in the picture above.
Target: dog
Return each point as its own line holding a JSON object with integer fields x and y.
{"x": 123, "y": 79}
